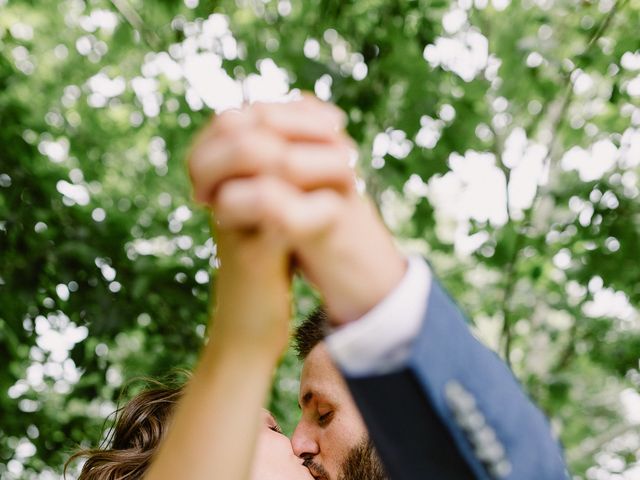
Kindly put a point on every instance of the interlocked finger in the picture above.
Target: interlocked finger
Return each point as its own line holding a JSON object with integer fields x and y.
{"x": 309, "y": 166}
{"x": 214, "y": 161}
{"x": 305, "y": 165}
{"x": 271, "y": 204}
{"x": 303, "y": 120}
{"x": 307, "y": 119}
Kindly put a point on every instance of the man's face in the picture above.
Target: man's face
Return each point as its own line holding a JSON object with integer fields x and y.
{"x": 330, "y": 427}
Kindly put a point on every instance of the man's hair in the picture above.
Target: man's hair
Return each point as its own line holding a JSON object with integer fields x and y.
{"x": 310, "y": 333}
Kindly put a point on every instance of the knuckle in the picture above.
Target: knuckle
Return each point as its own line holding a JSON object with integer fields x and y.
{"x": 223, "y": 203}
{"x": 259, "y": 150}
{"x": 243, "y": 146}
{"x": 267, "y": 200}
{"x": 287, "y": 166}
{"x": 265, "y": 190}
{"x": 261, "y": 111}
{"x": 229, "y": 122}
{"x": 223, "y": 196}
{"x": 345, "y": 160}
{"x": 259, "y": 107}
{"x": 198, "y": 154}
{"x": 246, "y": 151}
{"x": 195, "y": 164}
{"x": 309, "y": 98}
{"x": 223, "y": 122}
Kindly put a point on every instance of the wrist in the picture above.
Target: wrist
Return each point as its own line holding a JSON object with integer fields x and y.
{"x": 355, "y": 265}
{"x": 259, "y": 357}
{"x": 255, "y": 331}
{"x": 375, "y": 281}
{"x": 253, "y": 307}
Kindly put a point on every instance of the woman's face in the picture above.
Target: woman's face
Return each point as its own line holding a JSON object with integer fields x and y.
{"x": 274, "y": 458}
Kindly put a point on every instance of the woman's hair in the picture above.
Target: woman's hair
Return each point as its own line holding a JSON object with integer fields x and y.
{"x": 138, "y": 429}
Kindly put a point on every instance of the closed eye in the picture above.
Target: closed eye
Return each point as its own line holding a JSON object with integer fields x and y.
{"x": 325, "y": 419}
{"x": 276, "y": 428}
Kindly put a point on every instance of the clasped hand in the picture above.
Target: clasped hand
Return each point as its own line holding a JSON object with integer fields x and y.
{"x": 279, "y": 180}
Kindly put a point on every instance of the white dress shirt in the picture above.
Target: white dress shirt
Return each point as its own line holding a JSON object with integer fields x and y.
{"x": 380, "y": 341}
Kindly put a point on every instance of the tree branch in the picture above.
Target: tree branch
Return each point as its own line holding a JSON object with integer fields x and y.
{"x": 135, "y": 21}
{"x": 552, "y": 147}
{"x": 592, "y": 445}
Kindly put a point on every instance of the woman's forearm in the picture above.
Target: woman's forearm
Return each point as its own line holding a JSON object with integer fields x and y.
{"x": 212, "y": 434}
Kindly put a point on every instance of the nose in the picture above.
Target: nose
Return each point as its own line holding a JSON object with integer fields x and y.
{"x": 303, "y": 441}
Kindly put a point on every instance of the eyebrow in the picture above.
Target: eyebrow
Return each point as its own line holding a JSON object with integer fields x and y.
{"x": 306, "y": 399}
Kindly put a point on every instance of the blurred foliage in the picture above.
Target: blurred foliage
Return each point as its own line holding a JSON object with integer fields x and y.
{"x": 105, "y": 262}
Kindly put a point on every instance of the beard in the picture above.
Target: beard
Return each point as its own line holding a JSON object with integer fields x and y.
{"x": 361, "y": 463}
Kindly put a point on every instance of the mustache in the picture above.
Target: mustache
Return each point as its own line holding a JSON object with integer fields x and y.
{"x": 317, "y": 470}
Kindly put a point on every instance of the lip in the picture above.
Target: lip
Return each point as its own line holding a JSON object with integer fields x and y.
{"x": 311, "y": 475}
{"x": 316, "y": 475}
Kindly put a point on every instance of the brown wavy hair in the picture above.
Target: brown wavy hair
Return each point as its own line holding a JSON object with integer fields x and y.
{"x": 138, "y": 428}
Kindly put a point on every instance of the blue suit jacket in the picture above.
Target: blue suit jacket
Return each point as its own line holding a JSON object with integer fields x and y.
{"x": 454, "y": 410}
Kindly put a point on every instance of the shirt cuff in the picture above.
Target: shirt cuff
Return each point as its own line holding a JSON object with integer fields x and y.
{"x": 380, "y": 341}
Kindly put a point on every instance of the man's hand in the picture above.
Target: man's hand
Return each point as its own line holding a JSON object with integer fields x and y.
{"x": 285, "y": 168}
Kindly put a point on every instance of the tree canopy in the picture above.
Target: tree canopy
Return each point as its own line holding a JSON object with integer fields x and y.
{"x": 500, "y": 139}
